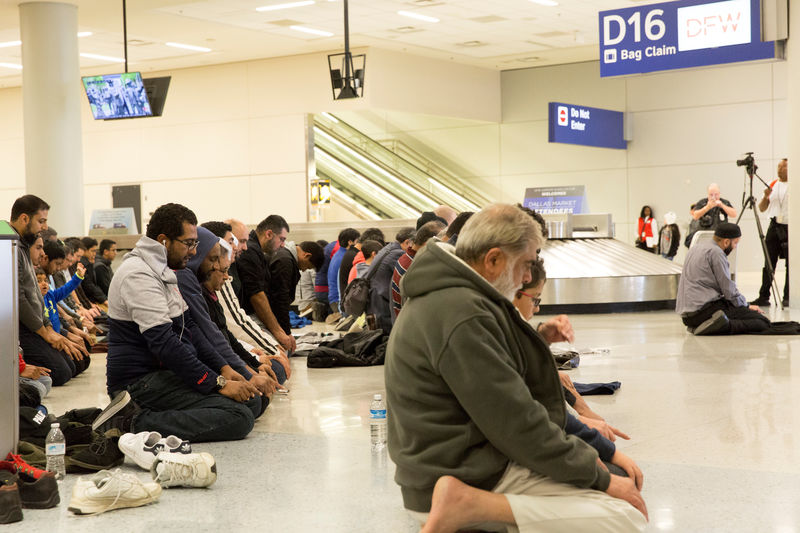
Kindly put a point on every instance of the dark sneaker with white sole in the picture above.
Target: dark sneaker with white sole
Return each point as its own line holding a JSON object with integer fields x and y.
{"x": 118, "y": 415}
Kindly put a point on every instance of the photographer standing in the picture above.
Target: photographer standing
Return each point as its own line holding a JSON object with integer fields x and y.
{"x": 776, "y": 203}
{"x": 709, "y": 212}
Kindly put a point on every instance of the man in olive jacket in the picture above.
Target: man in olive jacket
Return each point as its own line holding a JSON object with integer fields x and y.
{"x": 476, "y": 406}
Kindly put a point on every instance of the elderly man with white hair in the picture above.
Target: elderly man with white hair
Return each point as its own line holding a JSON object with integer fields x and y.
{"x": 478, "y": 413}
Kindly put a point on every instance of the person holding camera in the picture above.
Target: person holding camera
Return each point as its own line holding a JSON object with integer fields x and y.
{"x": 712, "y": 210}
{"x": 776, "y": 203}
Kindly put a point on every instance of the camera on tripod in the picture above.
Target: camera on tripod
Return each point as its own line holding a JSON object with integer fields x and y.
{"x": 749, "y": 163}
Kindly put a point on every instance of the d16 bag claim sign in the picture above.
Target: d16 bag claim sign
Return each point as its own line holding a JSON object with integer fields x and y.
{"x": 674, "y": 35}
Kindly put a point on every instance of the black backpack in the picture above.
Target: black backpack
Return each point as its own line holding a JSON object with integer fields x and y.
{"x": 355, "y": 297}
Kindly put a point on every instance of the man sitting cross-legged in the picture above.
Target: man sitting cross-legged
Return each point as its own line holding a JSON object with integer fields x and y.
{"x": 157, "y": 356}
{"x": 477, "y": 406}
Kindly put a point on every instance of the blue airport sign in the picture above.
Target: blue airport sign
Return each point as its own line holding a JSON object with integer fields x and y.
{"x": 681, "y": 34}
{"x": 587, "y": 126}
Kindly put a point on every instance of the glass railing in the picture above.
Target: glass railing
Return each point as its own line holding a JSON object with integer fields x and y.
{"x": 414, "y": 180}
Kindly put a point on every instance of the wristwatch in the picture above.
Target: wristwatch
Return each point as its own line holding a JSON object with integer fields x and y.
{"x": 221, "y": 382}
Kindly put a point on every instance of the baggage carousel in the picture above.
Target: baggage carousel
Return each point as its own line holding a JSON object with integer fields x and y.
{"x": 589, "y": 273}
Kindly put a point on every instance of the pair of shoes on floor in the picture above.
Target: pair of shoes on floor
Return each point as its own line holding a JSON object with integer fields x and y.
{"x": 718, "y": 323}
{"x": 761, "y": 302}
{"x": 143, "y": 447}
{"x": 106, "y": 491}
{"x": 358, "y": 324}
{"x": 117, "y": 416}
{"x": 22, "y": 485}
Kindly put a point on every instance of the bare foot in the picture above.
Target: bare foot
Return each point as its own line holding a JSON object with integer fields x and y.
{"x": 456, "y": 504}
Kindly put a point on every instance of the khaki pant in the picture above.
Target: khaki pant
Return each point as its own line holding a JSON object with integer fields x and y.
{"x": 540, "y": 505}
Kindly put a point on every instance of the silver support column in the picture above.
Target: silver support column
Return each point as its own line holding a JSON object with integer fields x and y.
{"x": 51, "y": 93}
{"x": 793, "y": 101}
{"x": 9, "y": 344}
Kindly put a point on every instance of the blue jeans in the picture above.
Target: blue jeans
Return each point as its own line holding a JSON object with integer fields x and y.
{"x": 171, "y": 407}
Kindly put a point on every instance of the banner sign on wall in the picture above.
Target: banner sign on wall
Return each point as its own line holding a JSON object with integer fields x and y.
{"x": 588, "y": 126}
{"x": 557, "y": 200}
{"x": 116, "y": 221}
{"x": 682, "y": 34}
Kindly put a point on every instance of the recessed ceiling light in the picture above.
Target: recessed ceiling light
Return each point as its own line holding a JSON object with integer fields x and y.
{"x": 84, "y": 33}
{"x": 189, "y": 47}
{"x": 11, "y": 65}
{"x": 549, "y": 3}
{"x": 287, "y": 5}
{"x": 417, "y": 16}
{"x": 8, "y": 44}
{"x": 103, "y": 58}
{"x": 312, "y": 31}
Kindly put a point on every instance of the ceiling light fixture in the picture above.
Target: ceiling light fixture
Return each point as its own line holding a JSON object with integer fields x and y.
{"x": 84, "y": 33}
{"x": 189, "y": 47}
{"x": 285, "y": 6}
{"x": 417, "y": 16}
{"x": 548, "y": 3}
{"x": 9, "y": 44}
{"x": 11, "y": 65}
{"x": 312, "y": 31}
{"x": 103, "y": 58}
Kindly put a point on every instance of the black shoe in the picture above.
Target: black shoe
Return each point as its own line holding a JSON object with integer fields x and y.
{"x": 718, "y": 323}
{"x": 41, "y": 493}
{"x": 10, "y": 503}
{"x": 102, "y": 454}
{"x": 761, "y": 302}
{"x": 118, "y": 415}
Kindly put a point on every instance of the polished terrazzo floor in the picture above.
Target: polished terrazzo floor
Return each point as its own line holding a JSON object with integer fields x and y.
{"x": 712, "y": 424}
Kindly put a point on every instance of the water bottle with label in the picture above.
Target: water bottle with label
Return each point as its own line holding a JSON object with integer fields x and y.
{"x": 377, "y": 422}
{"x": 55, "y": 448}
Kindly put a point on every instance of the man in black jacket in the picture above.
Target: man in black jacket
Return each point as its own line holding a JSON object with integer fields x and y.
{"x": 254, "y": 275}
{"x": 89, "y": 285}
{"x": 285, "y": 267}
{"x": 102, "y": 264}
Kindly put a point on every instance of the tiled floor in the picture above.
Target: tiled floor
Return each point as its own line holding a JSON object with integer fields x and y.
{"x": 712, "y": 424}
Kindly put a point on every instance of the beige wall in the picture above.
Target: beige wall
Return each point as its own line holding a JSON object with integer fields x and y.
{"x": 232, "y": 139}
{"x": 689, "y": 127}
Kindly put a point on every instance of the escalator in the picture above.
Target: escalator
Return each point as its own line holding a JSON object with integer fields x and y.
{"x": 375, "y": 182}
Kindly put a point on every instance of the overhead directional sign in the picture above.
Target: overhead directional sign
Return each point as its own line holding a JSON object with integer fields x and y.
{"x": 588, "y": 126}
{"x": 681, "y": 34}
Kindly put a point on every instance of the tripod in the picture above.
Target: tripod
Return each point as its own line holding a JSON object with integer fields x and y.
{"x": 750, "y": 203}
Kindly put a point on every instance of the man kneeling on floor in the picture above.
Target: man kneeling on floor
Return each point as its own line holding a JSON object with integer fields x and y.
{"x": 708, "y": 301}
{"x": 477, "y": 425}
{"x": 176, "y": 383}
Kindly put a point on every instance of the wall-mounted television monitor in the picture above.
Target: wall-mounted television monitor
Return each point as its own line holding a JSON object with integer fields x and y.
{"x": 113, "y": 96}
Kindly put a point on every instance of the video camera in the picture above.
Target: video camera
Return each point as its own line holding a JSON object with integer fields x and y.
{"x": 749, "y": 163}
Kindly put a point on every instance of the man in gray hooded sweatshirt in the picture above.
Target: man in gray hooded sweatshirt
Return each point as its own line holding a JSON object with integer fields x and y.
{"x": 157, "y": 356}
{"x": 477, "y": 409}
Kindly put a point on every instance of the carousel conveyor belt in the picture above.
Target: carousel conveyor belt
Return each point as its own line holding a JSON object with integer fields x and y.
{"x": 605, "y": 276}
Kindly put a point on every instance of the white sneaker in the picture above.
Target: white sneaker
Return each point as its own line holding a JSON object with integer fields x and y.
{"x": 106, "y": 491}
{"x": 190, "y": 470}
{"x": 173, "y": 444}
{"x": 142, "y": 447}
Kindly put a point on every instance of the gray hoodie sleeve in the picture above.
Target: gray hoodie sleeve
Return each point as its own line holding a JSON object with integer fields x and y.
{"x": 31, "y": 307}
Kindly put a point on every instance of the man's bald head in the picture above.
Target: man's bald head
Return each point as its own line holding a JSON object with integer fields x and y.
{"x": 446, "y": 212}
{"x": 239, "y": 229}
{"x": 713, "y": 193}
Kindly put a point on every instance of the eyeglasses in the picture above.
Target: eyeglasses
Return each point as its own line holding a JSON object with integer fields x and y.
{"x": 189, "y": 243}
{"x": 536, "y": 301}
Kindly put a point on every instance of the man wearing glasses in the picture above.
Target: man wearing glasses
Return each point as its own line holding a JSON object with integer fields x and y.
{"x": 162, "y": 372}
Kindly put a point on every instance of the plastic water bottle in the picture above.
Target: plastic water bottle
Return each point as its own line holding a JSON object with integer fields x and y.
{"x": 377, "y": 423}
{"x": 56, "y": 447}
